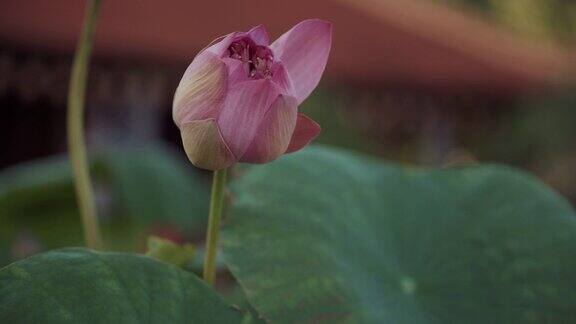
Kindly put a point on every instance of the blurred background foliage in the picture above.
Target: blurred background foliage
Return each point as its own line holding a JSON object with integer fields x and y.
{"x": 409, "y": 107}
{"x": 540, "y": 18}
{"x": 140, "y": 192}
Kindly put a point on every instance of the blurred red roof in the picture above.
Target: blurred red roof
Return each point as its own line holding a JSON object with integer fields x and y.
{"x": 408, "y": 42}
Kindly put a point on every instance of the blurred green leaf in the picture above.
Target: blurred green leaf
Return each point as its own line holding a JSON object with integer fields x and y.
{"x": 328, "y": 236}
{"x": 135, "y": 188}
{"x": 153, "y": 184}
{"x": 170, "y": 252}
{"x": 37, "y": 200}
{"x": 83, "y": 286}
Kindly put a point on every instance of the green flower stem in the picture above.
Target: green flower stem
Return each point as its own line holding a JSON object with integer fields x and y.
{"x": 76, "y": 142}
{"x": 216, "y": 205}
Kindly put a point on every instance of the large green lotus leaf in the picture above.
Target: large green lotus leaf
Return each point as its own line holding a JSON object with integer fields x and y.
{"x": 327, "y": 236}
{"x": 83, "y": 286}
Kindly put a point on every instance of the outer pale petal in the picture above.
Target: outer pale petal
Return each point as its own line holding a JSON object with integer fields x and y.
{"x": 245, "y": 106}
{"x": 303, "y": 50}
{"x": 205, "y": 146}
{"x": 259, "y": 35}
{"x": 201, "y": 91}
{"x": 306, "y": 130}
{"x": 274, "y": 133}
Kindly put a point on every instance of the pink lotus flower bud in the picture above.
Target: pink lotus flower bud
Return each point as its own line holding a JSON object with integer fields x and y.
{"x": 238, "y": 100}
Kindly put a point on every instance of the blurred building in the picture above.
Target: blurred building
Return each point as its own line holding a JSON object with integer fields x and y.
{"x": 414, "y": 68}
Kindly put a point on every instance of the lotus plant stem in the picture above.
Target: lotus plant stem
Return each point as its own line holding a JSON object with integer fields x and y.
{"x": 76, "y": 142}
{"x": 216, "y": 206}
